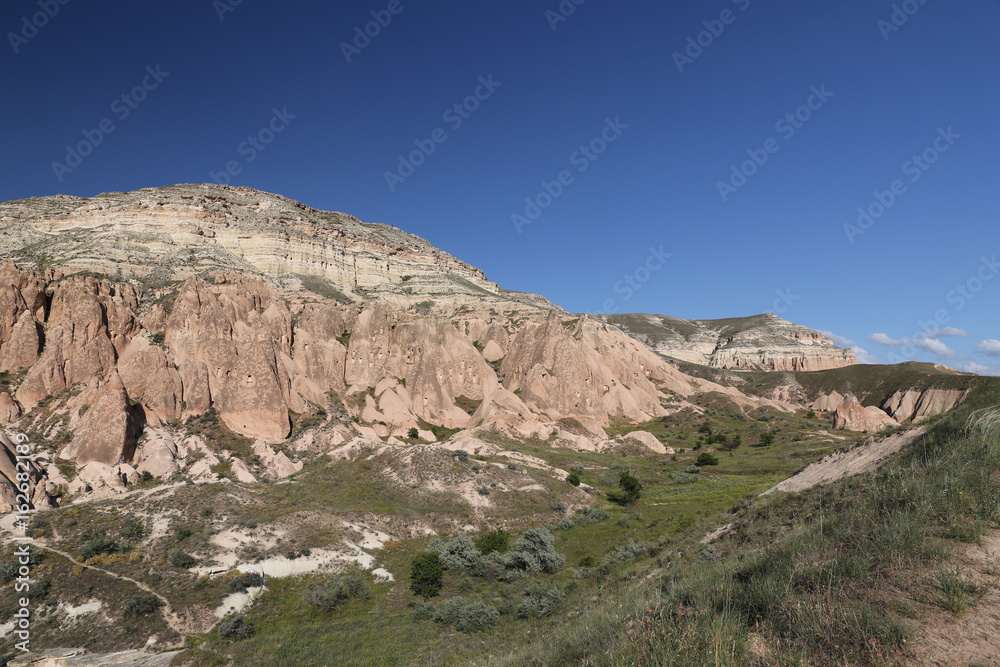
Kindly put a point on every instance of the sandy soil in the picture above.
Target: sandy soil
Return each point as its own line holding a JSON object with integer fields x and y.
{"x": 862, "y": 459}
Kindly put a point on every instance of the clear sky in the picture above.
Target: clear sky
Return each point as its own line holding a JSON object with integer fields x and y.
{"x": 621, "y": 122}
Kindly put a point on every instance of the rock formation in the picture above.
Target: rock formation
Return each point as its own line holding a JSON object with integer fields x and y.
{"x": 763, "y": 342}
{"x": 851, "y": 415}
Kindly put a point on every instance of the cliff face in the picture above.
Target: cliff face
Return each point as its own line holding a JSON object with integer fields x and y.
{"x": 159, "y": 235}
{"x": 763, "y": 342}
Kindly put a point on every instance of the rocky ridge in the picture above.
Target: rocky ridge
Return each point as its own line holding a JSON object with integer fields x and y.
{"x": 762, "y": 342}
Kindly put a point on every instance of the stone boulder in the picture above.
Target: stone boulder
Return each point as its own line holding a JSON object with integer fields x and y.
{"x": 852, "y": 416}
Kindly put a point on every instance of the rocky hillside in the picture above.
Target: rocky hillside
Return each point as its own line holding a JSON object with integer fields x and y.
{"x": 763, "y": 342}
{"x": 161, "y": 235}
{"x": 139, "y": 331}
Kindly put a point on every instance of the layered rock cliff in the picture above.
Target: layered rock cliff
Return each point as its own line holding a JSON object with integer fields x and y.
{"x": 763, "y": 342}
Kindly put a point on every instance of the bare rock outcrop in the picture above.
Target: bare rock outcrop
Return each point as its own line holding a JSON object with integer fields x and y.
{"x": 762, "y": 342}
{"x": 915, "y": 404}
{"x": 9, "y": 409}
{"x": 108, "y": 431}
{"x": 227, "y": 341}
{"x": 852, "y": 416}
{"x": 90, "y": 321}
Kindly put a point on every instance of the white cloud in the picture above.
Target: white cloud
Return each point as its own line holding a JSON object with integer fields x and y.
{"x": 934, "y": 346}
{"x": 925, "y": 343}
{"x": 839, "y": 341}
{"x": 943, "y": 333}
{"x": 885, "y": 340}
{"x": 864, "y": 356}
{"x": 973, "y": 367}
{"x": 990, "y": 346}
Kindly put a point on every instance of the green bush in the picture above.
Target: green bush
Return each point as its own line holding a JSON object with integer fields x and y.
{"x": 98, "y": 544}
{"x": 540, "y": 602}
{"x": 461, "y": 455}
{"x": 142, "y": 605}
{"x": 497, "y": 541}
{"x": 241, "y": 582}
{"x": 631, "y": 487}
{"x": 534, "y": 552}
{"x": 467, "y": 616}
{"x": 706, "y": 459}
{"x": 423, "y": 610}
{"x": 590, "y": 515}
{"x": 182, "y": 560}
{"x": 235, "y": 628}
{"x": 412, "y": 434}
{"x": 459, "y": 554}
{"x": 573, "y": 478}
{"x": 335, "y": 591}
{"x": 426, "y": 574}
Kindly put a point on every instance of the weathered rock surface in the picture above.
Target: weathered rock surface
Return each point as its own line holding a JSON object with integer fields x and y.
{"x": 916, "y": 404}
{"x": 108, "y": 431}
{"x": 763, "y": 342}
{"x": 851, "y": 415}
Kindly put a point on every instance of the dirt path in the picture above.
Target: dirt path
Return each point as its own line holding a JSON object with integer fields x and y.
{"x": 969, "y": 638}
{"x": 862, "y": 459}
{"x": 169, "y": 616}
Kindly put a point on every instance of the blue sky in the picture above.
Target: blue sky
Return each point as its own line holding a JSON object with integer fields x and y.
{"x": 610, "y": 118}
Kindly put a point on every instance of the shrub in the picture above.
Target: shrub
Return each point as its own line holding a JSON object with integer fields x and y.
{"x": 539, "y": 601}
{"x": 235, "y": 628}
{"x": 577, "y": 468}
{"x": 426, "y": 573}
{"x": 423, "y": 610}
{"x": 8, "y": 571}
{"x": 476, "y": 617}
{"x": 241, "y": 582}
{"x": 467, "y": 616}
{"x": 447, "y": 613}
{"x": 631, "y": 487}
{"x": 182, "y": 560}
{"x": 39, "y": 588}
{"x": 565, "y": 523}
{"x": 98, "y": 544}
{"x": 692, "y": 469}
{"x": 573, "y": 478}
{"x": 461, "y": 455}
{"x": 328, "y": 595}
{"x": 413, "y": 434}
{"x": 484, "y": 491}
{"x": 142, "y": 605}
{"x": 493, "y": 541}
{"x": 459, "y": 554}
{"x": 512, "y": 466}
{"x": 683, "y": 478}
{"x": 706, "y": 459}
{"x": 534, "y": 551}
{"x": 590, "y": 515}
